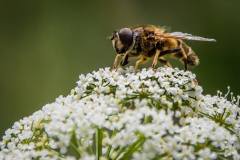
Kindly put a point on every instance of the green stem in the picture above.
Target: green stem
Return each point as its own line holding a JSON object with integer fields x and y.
{"x": 222, "y": 158}
{"x": 133, "y": 150}
{"x": 204, "y": 114}
{"x": 90, "y": 150}
{"x": 224, "y": 110}
{"x": 110, "y": 146}
{"x": 40, "y": 135}
{"x": 146, "y": 119}
{"x": 135, "y": 146}
{"x": 75, "y": 140}
{"x": 75, "y": 149}
{"x": 119, "y": 152}
{"x": 99, "y": 137}
{"x": 55, "y": 152}
{"x": 229, "y": 130}
{"x": 160, "y": 156}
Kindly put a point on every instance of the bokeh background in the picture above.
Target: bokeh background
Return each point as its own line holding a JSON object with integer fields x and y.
{"x": 46, "y": 45}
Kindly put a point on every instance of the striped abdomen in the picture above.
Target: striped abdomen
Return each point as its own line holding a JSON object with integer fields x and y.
{"x": 192, "y": 58}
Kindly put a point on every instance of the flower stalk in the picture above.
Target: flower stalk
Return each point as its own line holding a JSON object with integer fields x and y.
{"x": 99, "y": 137}
{"x": 110, "y": 146}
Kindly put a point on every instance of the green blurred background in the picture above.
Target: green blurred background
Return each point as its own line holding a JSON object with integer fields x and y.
{"x": 46, "y": 45}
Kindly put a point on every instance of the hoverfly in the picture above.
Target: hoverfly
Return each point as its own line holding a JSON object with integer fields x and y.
{"x": 153, "y": 42}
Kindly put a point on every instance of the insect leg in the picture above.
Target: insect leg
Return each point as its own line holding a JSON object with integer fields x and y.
{"x": 142, "y": 60}
{"x": 169, "y": 51}
{"x": 155, "y": 59}
{"x": 184, "y": 59}
{"x": 115, "y": 62}
{"x": 164, "y": 61}
{"x": 176, "y": 50}
{"x": 123, "y": 61}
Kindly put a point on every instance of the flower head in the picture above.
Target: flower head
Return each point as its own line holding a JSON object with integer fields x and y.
{"x": 133, "y": 115}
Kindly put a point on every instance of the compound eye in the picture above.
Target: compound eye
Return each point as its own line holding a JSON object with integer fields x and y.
{"x": 126, "y": 37}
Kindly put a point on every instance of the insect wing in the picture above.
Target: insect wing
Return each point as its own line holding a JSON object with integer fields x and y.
{"x": 166, "y": 29}
{"x": 187, "y": 36}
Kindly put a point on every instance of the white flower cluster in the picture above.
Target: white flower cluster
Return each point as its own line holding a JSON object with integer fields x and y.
{"x": 129, "y": 114}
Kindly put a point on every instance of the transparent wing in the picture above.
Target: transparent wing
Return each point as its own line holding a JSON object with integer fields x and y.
{"x": 187, "y": 36}
{"x": 166, "y": 29}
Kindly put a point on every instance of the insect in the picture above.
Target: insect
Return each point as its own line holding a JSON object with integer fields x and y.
{"x": 153, "y": 42}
